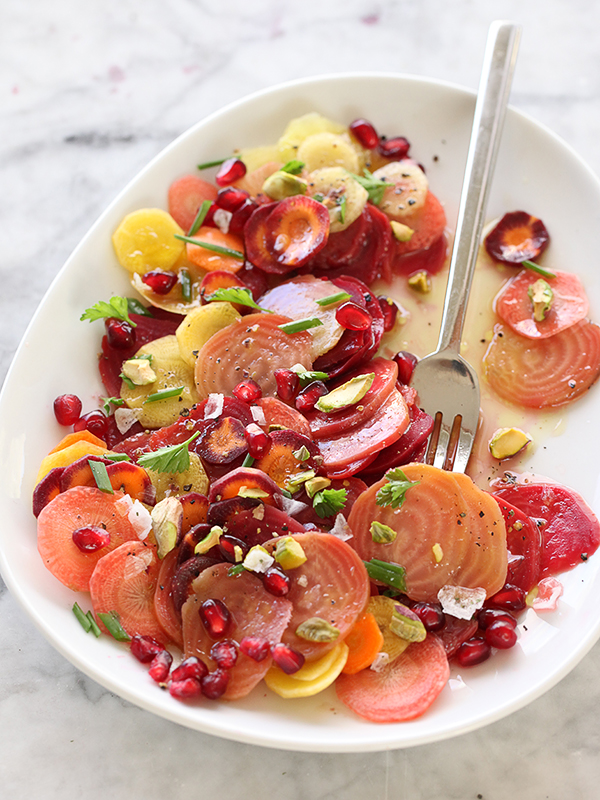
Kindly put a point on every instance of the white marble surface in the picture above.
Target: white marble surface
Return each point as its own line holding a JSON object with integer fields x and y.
{"x": 90, "y": 91}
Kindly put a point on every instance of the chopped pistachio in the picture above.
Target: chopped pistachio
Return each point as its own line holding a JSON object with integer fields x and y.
{"x": 420, "y": 281}
{"x": 139, "y": 371}
{"x": 401, "y": 231}
{"x": 289, "y": 553}
{"x": 315, "y": 485}
{"x": 252, "y": 492}
{"x": 317, "y": 629}
{"x": 210, "y": 540}
{"x": 407, "y": 625}
{"x": 282, "y": 184}
{"x": 541, "y": 296}
{"x": 508, "y": 442}
{"x": 438, "y": 553}
{"x": 382, "y": 534}
{"x": 258, "y": 559}
{"x": 167, "y": 519}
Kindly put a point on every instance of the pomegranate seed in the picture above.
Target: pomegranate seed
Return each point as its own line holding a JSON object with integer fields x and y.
{"x": 396, "y": 148}
{"x": 241, "y": 216}
{"x": 120, "y": 334}
{"x": 227, "y": 546}
{"x": 286, "y": 658}
{"x": 259, "y": 442}
{"x": 389, "y": 309}
{"x": 487, "y": 616}
{"x": 509, "y": 598}
{"x": 307, "y": 398}
{"x": 215, "y": 617}
{"x": 186, "y": 689}
{"x": 215, "y": 683}
{"x": 288, "y": 384}
{"x": 365, "y": 133}
{"x": 191, "y": 667}
{"x": 160, "y": 281}
{"x": 276, "y": 582}
{"x": 230, "y": 171}
{"x": 209, "y": 219}
{"x": 67, "y": 409}
{"x": 91, "y": 539}
{"x": 255, "y": 647}
{"x": 353, "y": 317}
{"x": 406, "y": 365}
{"x": 501, "y": 634}
{"x": 144, "y": 648}
{"x": 231, "y": 198}
{"x": 248, "y": 391}
{"x": 431, "y": 616}
{"x": 95, "y": 422}
{"x": 160, "y": 666}
{"x": 473, "y": 651}
{"x": 224, "y": 653}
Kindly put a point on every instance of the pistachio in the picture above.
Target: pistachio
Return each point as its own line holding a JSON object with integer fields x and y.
{"x": 508, "y": 442}
{"x": 167, "y": 519}
{"x": 382, "y": 534}
{"x": 347, "y": 394}
{"x": 138, "y": 371}
{"x": 252, "y": 492}
{"x": 315, "y": 485}
{"x": 401, "y": 231}
{"x": 289, "y": 553}
{"x": 437, "y": 551}
{"x": 420, "y": 281}
{"x": 541, "y": 296}
{"x": 317, "y": 629}
{"x": 281, "y": 184}
{"x": 407, "y": 625}
{"x": 210, "y": 540}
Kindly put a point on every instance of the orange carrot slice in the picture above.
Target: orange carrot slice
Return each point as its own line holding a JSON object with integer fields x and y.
{"x": 77, "y": 436}
{"x": 68, "y": 455}
{"x": 164, "y": 607}
{"x": 252, "y": 182}
{"x": 547, "y": 372}
{"x": 279, "y": 463}
{"x": 186, "y": 195}
{"x": 210, "y": 260}
{"x": 364, "y": 642}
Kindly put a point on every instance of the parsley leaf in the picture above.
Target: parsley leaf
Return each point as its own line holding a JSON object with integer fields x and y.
{"x": 108, "y": 402}
{"x": 235, "y": 294}
{"x": 393, "y": 493}
{"x": 174, "y": 458}
{"x": 116, "y": 307}
{"x": 329, "y": 502}
{"x": 374, "y": 187}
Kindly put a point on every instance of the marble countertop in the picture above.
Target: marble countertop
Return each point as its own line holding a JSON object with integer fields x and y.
{"x": 89, "y": 93}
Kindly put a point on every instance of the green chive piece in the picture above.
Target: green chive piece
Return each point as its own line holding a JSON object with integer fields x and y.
{"x": 116, "y": 457}
{"x": 82, "y": 618}
{"x": 300, "y": 325}
{"x": 545, "y": 273}
{"x": 390, "y": 574}
{"x": 215, "y": 248}
{"x": 110, "y": 620}
{"x": 342, "y": 208}
{"x": 237, "y": 570}
{"x": 101, "y": 476}
{"x": 200, "y": 217}
{"x": 135, "y": 307}
{"x": 248, "y": 461}
{"x": 186, "y": 284}
{"x": 93, "y": 626}
{"x": 164, "y": 395}
{"x": 216, "y": 163}
{"x": 339, "y": 297}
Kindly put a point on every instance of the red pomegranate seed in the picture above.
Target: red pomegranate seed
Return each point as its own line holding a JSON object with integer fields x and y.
{"x": 432, "y": 616}
{"x": 286, "y": 658}
{"x": 255, "y": 647}
{"x": 215, "y": 683}
{"x": 501, "y": 634}
{"x": 406, "y": 365}
{"x": 67, "y": 409}
{"x": 191, "y": 667}
{"x": 248, "y": 391}
{"x": 353, "y": 317}
{"x": 473, "y": 651}
{"x": 160, "y": 666}
{"x": 120, "y": 333}
{"x": 307, "y": 398}
{"x": 259, "y": 442}
{"x": 486, "y": 616}
{"x": 186, "y": 689}
{"x": 389, "y": 309}
{"x": 230, "y": 171}
{"x": 396, "y": 148}
{"x": 91, "y": 539}
{"x": 95, "y": 422}
{"x": 241, "y": 216}
{"x": 288, "y": 384}
{"x": 509, "y": 598}
{"x": 224, "y": 653}
{"x": 365, "y": 133}
{"x": 215, "y": 617}
{"x": 276, "y": 582}
{"x": 231, "y": 198}
{"x": 160, "y": 281}
{"x": 227, "y": 546}
{"x": 209, "y": 219}
{"x": 144, "y": 648}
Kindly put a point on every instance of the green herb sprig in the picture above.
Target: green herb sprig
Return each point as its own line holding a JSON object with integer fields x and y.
{"x": 116, "y": 307}
{"x": 393, "y": 493}
{"x": 174, "y": 458}
{"x": 328, "y": 502}
{"x": 235, "y": 294}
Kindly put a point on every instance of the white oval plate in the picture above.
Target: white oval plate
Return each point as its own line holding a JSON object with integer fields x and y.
{"x": 536, "y": 172}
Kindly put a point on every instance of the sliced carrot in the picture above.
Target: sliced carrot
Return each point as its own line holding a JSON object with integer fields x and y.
{"x": 569, "y": 304}
{"x": 222, "y": 441}
{"x": 244, "y": 480}
{"x": 252, "y": 182}
{"x": 210, "y": 260}
{"x": 364, "y": 642}
{"x": 543, "y": 373}
{"x": 68, "y": 455}
{"x": 77, "y": 436}
{"x": 195, "y": 510}
{"x": 186, "y": 195}
{"x": 164, "y": 607}
{"x": 517, "y": 237}
{"x": 428, "y": 224}
{"x": 280, "y": 461}
{"x": 279, "y": 415}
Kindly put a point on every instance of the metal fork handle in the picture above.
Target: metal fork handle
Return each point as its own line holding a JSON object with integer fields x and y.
{"x": 494, "y": 89}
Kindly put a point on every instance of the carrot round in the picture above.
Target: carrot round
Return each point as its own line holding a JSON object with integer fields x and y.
{"x": 364, "y": 642}
{"x": 77, "y": 436}
{"x": 211, "y": 260}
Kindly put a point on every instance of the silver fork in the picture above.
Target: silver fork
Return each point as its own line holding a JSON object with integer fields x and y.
{"x": 448, "y": 386}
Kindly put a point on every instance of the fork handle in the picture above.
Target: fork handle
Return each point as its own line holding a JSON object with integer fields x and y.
{"x": 492, "y": 98}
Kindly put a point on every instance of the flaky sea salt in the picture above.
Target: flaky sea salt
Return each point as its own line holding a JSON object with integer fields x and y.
{"x": 460, "y": 601}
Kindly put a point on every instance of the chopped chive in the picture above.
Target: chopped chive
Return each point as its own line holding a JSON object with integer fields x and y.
{"x": 200, "y": 217}
{"x": 390, "y": 574}
{"x": 216, "y": 163}
{"x": 215, "y": 248}
{"x": 82, "y": 618}
{"x": 135, "y": 307}
{"x": 110, "y": 620}
{"x": 116, "y": 457}
{"x": 342, "y": 208}
{"x": 186, "y": 284}
{"x": 101, "y": 476}
{"x": 237, "y": 570}
{"x": 93, "y": 626}
{"x": 545, "y": 273}
{"x": 287, "y": 494}
{"x": 300, "y": 325}
{"x": 339, "y": 297}
{"x": 248, "y": 461}
{"x": 164, "y": 395}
